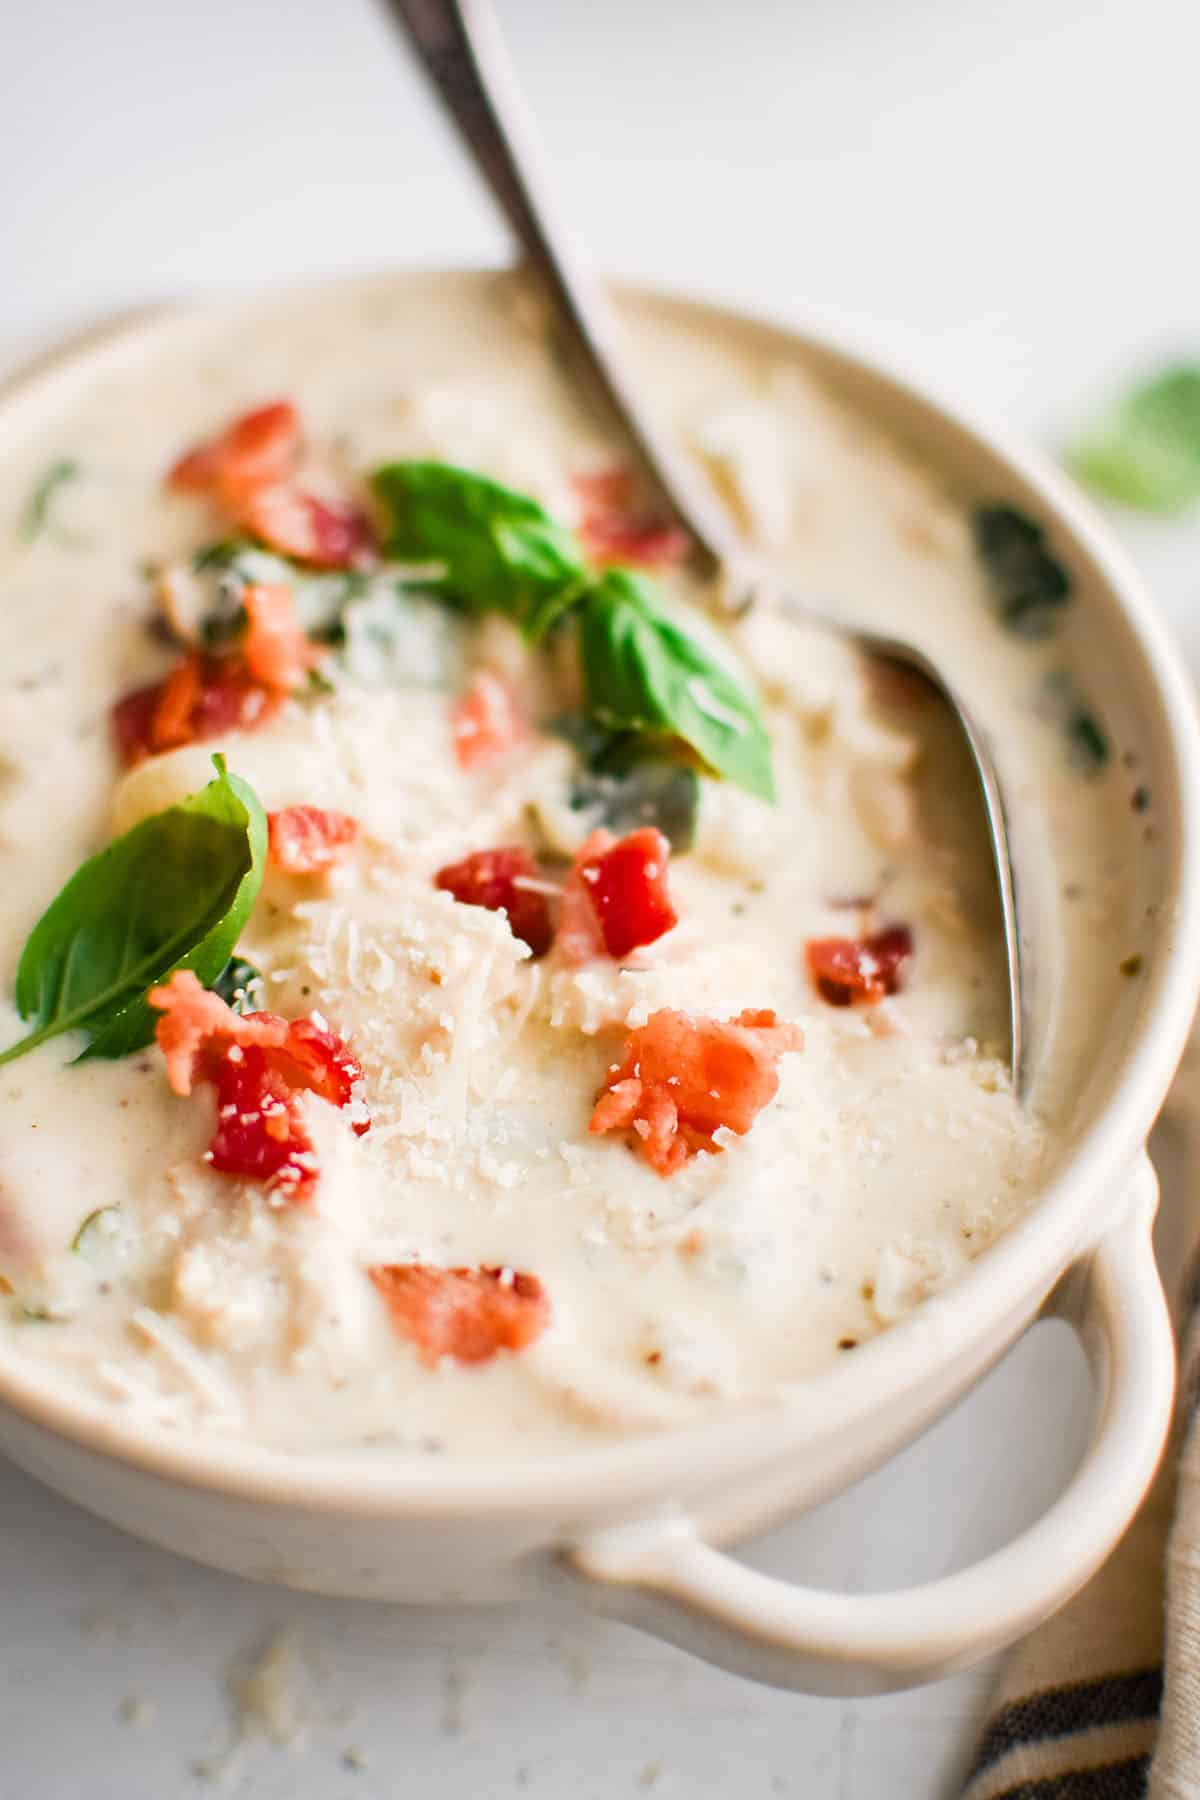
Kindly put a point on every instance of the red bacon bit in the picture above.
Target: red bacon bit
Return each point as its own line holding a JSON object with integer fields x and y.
{"x": 206, "y": 696}
{"x": 627, "y": 885}
{"x": 260, "y": 1135}
{"x": 613, "y": 532}
{"x": 580, "y": 938}
{"x": 486, "y": 723}
{"x": 195, "y": 472}
{"x": 466, "y": 1314}
{"x": 328, "y": 534}
{"x": 203, "y": 697}
{"x": 616, "y": 899}
{"x": 276, "y": 649}
{"x": 259, "y": 447}
{"x": 499, "y": 880}
{"x": 859, "y": 971}
{"x": 181, "y": 690}
{"x": 247, "y": 470}
{"x": 259, "y": 1065}
{"x": 315, "y": 1060}
{"x": 132, "y": 720}
{"x": 195, "y": 1021}
{"x": 684, "y": 1078}
{"x": 308, "y": 840}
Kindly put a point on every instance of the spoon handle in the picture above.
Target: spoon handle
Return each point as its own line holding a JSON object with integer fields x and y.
{"x": 460, "y": 48}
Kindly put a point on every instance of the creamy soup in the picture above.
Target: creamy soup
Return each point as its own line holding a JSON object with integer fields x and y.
{"x": 691, "y": 1090}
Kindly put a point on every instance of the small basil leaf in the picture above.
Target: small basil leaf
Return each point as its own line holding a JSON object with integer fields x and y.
{"x": 1146, "y": 452}
{"x": 98, "y": 1239}
{"x": 41, "y": 501}
{"x": 239, "y": 985}
{"x": 591, "y": 742}
{"x": 172, "y": 893}
{"x": 1028, "y": 584}
{"x": 501, "y": 552}
{"x": 226, "y": 553}
{"x": 643, "y": 673}
{"x": 1062, "y": 702}
{"x": 631, "y": 789}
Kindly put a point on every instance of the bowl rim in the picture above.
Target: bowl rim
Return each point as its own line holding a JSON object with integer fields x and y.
{"x": 1005, "y": 1283}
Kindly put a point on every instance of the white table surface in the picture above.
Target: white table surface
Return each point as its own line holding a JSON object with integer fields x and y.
{"x": 1003, "y": 196}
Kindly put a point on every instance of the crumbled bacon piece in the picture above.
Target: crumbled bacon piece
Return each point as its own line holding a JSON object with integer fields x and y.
{"x": 258, "y": 448}
{"x": 181, "y": 689}
{"x": 195, "y": 472}
{"x": 260, "y": 1135}
{"x": 616, "y": 898}
{"x": 307, "y": 840}
{"x": 486, "y": 722}
{"x": 859, "y": 971}
{"x": 466, "y": 1314}
{"x": 648, "y": 543}
{"x": 259, "y": 1065}
{"x": 626, "y": 883}
{"x": 205, "y": 696}
{"x": 683, "y": 1079}
{"x": 315, "y": 1060}
{"x": 579, "y": 938}
{"x": 202, "y": 697}
{"x": 195, "y": 1020}
{"x": 276, "y": 648}
{"x": 132, "y": 720}
{"x": 328, "y": 534}
{"x": 504, "y": 880}
{"x": 247, "y": 471}
{"x": 613, "y": 531}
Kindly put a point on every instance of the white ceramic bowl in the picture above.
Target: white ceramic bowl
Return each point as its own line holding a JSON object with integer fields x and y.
{"x": 640, "y": 1529}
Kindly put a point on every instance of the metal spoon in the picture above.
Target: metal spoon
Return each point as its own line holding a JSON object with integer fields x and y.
{"x": 462, "y": 52}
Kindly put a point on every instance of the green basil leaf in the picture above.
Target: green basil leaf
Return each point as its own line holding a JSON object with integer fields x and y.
{"x": 1062, "y": 702}
{"x": 626, "y": 780}
{"x": 500, "y": 551}
{"x": 1146, "y": 451}
{"x": 98, "y": 1239}
{"x": 642, "y": 672}
{"x": 591, "y": 741}
{"x": 1028, "y": 585}
{"x": 240, "y": 985}
{"x": 172, "y": 893}
{"x": 639, "y": 788}
{"x": 41, "y": 501}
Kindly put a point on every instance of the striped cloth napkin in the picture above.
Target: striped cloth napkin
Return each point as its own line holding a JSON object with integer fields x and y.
{"x": 1103, "y": 1701}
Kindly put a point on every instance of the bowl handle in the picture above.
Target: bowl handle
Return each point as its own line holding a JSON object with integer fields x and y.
{"x": 680, "y": 1588}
